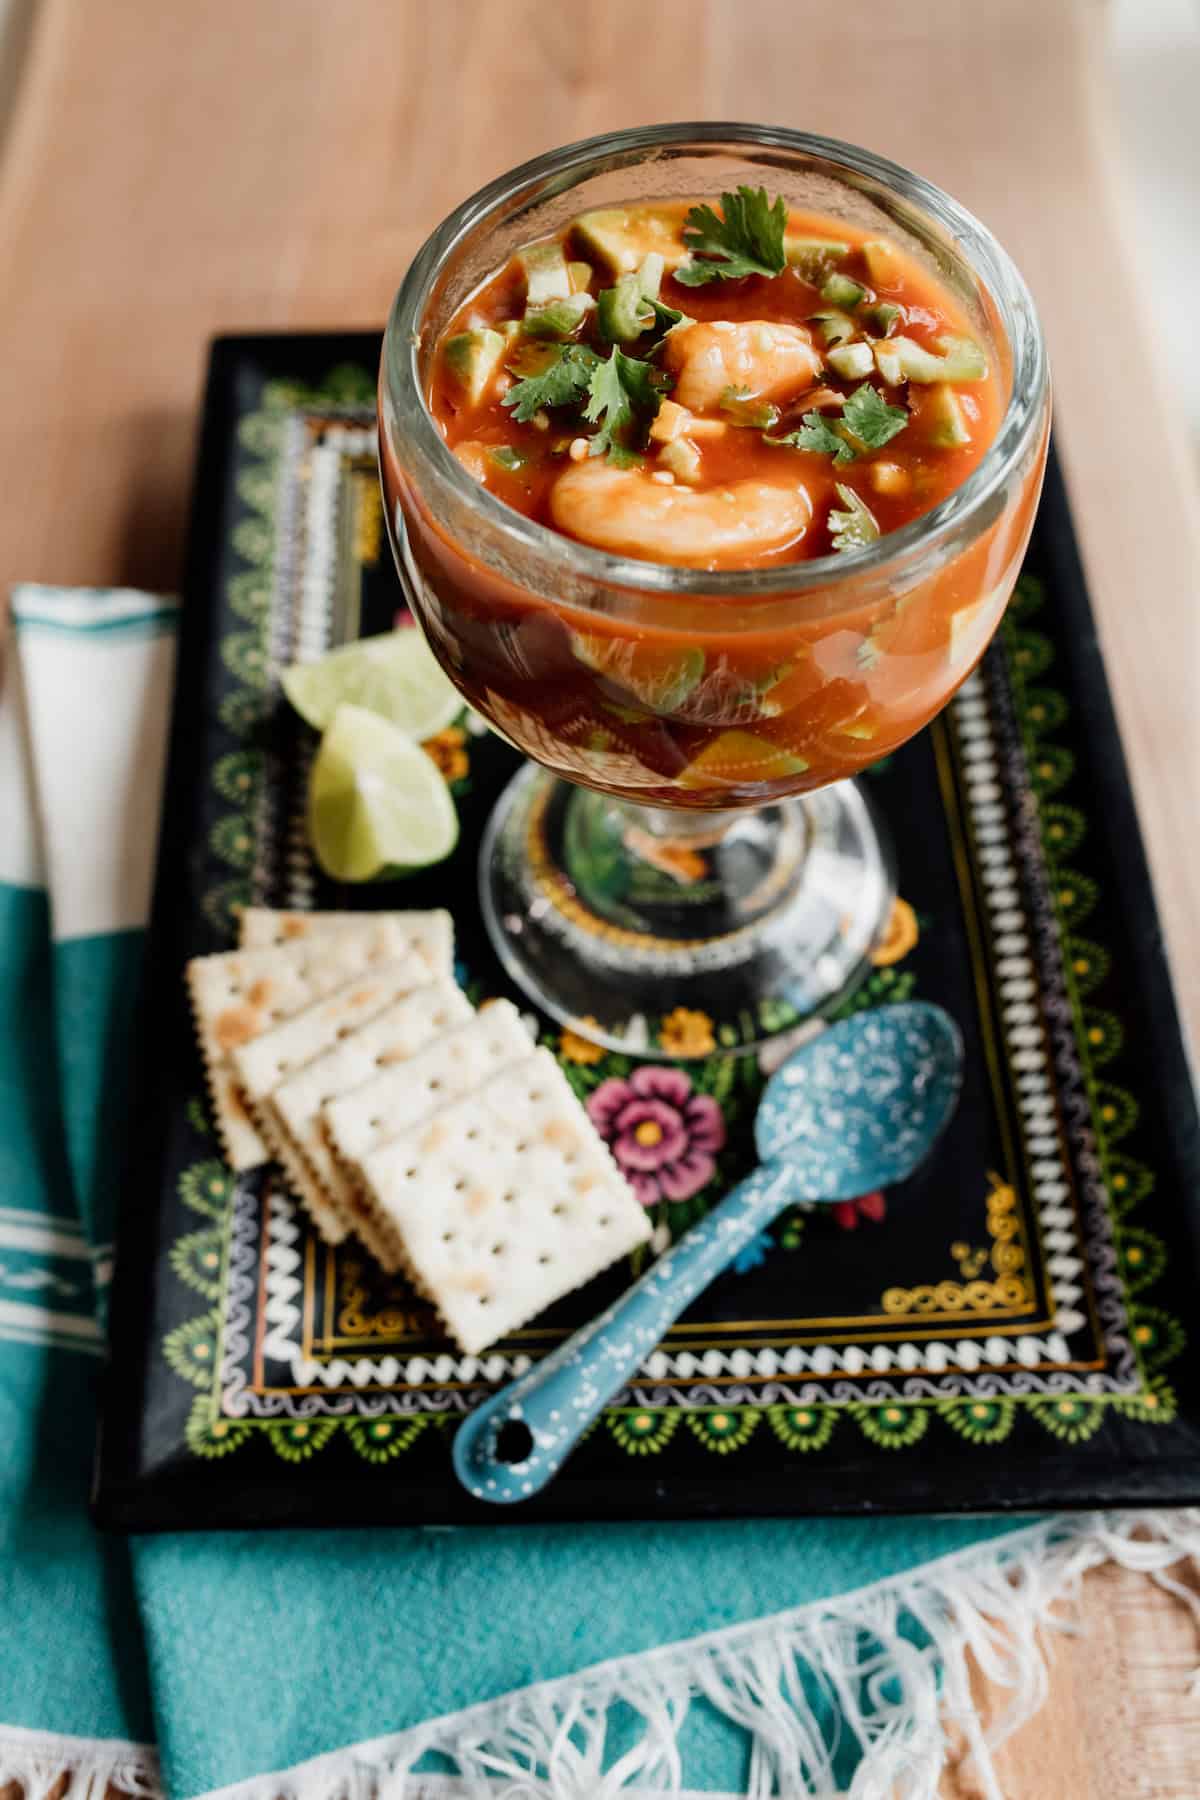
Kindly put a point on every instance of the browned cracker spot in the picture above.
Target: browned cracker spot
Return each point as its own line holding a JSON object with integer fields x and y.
{"x": 430, "y": 934}
{"x": 241, "y": 994}
{"x": 261, "y": 1065}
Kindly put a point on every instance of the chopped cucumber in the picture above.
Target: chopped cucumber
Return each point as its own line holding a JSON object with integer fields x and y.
{"x": 738, "y": 758}
{"x": 740, "y": 407}
{"x": 622, "y": 237}
{"x": 962, "y": 359}
{"x": 882, "y": 260}
{"x": 471, "y": 360}
{"x": 661, "y": 679}
{"x": 840, "y": 290}
{"x": 558, "y": 319}
{"x": 881, "y": 318}
{"x": 545, "y": 270}
{"x": 682, "y": 458}
{"x": 835, "y": 327}
{"x": 813, "y": 256}
{"x": 855, "y": 528}
{"x": 505, "y": 457}
{"x": 916, "y": 363}
{"x": 651, "y": 273}
{"x": 947, "y": 424}
{"x": 580, "y": 276}
{"x": 851, "y": 360}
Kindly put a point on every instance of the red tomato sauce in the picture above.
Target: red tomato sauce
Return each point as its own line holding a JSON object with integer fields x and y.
{"x": 687, "y": 700}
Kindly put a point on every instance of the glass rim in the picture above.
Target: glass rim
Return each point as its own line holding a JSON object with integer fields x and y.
{"x": 976, "y": 246}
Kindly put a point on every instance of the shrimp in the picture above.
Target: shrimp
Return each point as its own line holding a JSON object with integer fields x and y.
{"x": 628, "y": 512}
{"x": 772, "y": 361}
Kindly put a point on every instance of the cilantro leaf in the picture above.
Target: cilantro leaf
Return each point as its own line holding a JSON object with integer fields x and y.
{"x": 816, "y": 433}
{"x": 872, "y": 420}
{"x": 666, "y": 317}
{"x": 855, "y": 528}
{"x": 748, "y": 240}
{"x": 562, "y": 381}
{"x": 623, "y": 396}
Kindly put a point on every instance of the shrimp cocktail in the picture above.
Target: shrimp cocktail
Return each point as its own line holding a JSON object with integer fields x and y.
{"x": 710, "y": 454}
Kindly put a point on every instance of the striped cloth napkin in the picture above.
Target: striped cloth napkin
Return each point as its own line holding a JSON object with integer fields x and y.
{"x": 507, "y": 1661}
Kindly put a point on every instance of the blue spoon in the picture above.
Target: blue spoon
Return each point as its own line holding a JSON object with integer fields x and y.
{"x": 857, "y": 1108}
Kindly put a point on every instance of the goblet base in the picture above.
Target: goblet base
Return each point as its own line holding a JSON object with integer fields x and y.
{"x": 668, "y": 933}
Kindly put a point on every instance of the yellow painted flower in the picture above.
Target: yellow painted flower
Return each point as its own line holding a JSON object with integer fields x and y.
{"x": 577, "y": 1049}
{"x": 899, "y": 937}
{"x": 685, "y": 1033}
{"x": 446, "y": 749}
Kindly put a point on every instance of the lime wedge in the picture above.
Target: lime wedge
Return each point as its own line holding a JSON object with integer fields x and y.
{"x": 376, "y": 801}
{"x": 396, "y": 676}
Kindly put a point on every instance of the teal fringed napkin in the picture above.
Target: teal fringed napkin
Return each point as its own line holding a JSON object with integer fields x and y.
{"x": 642, "y": 1657}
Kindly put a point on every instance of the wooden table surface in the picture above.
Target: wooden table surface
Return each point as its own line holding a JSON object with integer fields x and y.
{"x": 173, "y": 171}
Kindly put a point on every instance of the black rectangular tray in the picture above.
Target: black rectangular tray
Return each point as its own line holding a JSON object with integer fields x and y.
{"x": 1002, "y": 1333}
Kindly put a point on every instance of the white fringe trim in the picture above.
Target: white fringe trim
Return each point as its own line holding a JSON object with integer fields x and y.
{"x": 900, "y": 1706}
{"x": 37, "y": 1760}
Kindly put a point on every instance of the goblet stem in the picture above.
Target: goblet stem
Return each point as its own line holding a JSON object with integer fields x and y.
{"x": 632, "y": 922}
{"x": 680, "y": 825}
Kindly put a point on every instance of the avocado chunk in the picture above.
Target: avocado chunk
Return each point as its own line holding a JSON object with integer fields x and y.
{"x": 813, "y": 257}
{"x": 545, "y": 270}
{"x": 559, "y": 319}
{"x": 471, "y": 360}
{"x": 947, "y": 423}
{"x": 623, "y": 237}
{"x": 882, "y": 260}
{"x": 840, "y": 290}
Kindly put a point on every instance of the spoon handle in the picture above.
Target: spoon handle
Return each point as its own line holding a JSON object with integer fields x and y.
{"x": 557, "y": 1399}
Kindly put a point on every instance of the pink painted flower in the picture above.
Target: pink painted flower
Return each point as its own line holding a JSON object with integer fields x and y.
{"x": 663, "y": 1136}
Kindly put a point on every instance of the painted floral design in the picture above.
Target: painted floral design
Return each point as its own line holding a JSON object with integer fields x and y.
{"x": 574, "y": 1048}
{"x": 380, "y": 1440}
{"x": 687, "y": 1033}
{"x": 900, "y": 935}
{"x": 643, "y": 1433}
{"x": 208, "y": 1434}
{"x": 663, "y": 1134}
{"x": 980, "y": 1421}
{"x": 803, "y": 1427}
{"x": 446, "y": 749}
